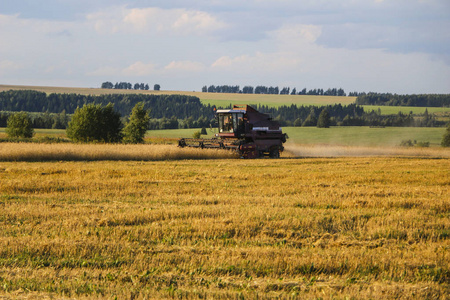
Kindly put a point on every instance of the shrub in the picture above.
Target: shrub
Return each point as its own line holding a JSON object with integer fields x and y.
{"x": 406, "y": 143}
{"x": 19, "y": 125}
{"x": 423, "y": 144}
{"x": 446, "y": 138}
{"x": 95, "y": 123}
{"x": 197, "y": 134}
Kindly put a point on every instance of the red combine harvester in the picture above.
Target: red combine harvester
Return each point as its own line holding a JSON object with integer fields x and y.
{"x": 243, "y": 129}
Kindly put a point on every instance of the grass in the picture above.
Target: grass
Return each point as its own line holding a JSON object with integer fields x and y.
{"x": 300, "y": 228}
{"x": 393, "y": 110}
{"x": 364, "y": 136}
{"x": 342, "y": 136}
{"x": 347, "y": 136}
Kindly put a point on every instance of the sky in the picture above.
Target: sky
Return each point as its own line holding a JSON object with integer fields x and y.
{"x": 395, "y": 46}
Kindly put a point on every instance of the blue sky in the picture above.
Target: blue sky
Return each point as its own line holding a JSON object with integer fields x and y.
{"x": 398, "y": 46}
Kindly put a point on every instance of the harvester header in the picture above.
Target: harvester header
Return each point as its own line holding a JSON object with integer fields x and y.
{"x": 243, "y": 129}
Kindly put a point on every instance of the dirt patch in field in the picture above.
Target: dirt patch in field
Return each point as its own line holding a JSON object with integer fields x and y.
{"x": 296, "y": 150}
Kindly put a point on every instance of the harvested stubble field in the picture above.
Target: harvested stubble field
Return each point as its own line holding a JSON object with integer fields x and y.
{"x": 367, "y": 227}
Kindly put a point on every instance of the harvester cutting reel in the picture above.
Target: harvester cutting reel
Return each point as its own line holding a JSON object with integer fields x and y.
{"x": 243, "y": 148}
{"x": 206, "y": 143}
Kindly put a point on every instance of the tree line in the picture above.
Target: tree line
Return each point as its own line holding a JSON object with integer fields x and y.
{"x": 421, "y": 100}
{"x": 347, "y": 115}
{"x": 128, "y": 86}
{"x": 56, "y": 110}
{"x": 260, "y": 89}
{"x": 180, "y": 111}
{"x": 161, "y": 106}
{"x": 60, "y": 121}
{"x": 41, "y": 120}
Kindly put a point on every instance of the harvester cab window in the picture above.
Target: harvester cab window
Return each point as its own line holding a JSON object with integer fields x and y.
{"x": 238, "y": 122}
{"x": 226, "y": 123}
{"x": 231, "y": 122}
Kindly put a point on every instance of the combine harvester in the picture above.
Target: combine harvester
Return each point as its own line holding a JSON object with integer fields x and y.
{"x": 243, "y": 129}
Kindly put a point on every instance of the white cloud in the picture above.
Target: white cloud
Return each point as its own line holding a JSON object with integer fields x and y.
{"x": 139, "y": 69}
{"x": 260, "y": 63}
{"x": 291, "y": 42}
{"x": 296, "y": 34}
{"x": 228, "y": 62}
{"x": 196, "y": 22}
{"x": 190, "y": 66}
{"x": 154, "y": 20}
{"x": 105, "y": 71}
{"x": 9, "y": 66}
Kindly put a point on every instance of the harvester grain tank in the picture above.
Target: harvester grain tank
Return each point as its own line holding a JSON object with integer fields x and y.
{"x": 243, "y": 129}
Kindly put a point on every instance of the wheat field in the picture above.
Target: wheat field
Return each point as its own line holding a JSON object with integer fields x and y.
{"x": 98, "y": 152}
{"x": 341, "y": 227}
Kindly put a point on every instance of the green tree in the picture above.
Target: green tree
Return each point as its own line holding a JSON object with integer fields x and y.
{"x": 60, "y": 120}
{"x": 19, "y": 125}
{"x": 311, "y": 120}
{"x": 107, "y": 85}
{"x": 298, "y": 122}
{"x": 156, "y": 87}
{"x": 324, "y": 119}
{"x": 446, "y": 138}
{"x": 136, "y": 127}
{"x": 95, "y": 123}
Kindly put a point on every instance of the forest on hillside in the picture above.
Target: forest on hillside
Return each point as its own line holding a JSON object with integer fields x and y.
{"x": 181, "y": 111}
{"x": 423, "y": 100}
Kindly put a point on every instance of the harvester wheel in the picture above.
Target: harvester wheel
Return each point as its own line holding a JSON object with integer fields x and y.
{"x": 182, "y": 143}
{"x": 274, "y": 153}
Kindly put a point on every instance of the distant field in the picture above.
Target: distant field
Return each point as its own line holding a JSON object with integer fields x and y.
{"x": 218, "y": 99}
{"x": 392, "y": 110}
{"x": 221, "y": 100}
{"x": 82, "y": 91}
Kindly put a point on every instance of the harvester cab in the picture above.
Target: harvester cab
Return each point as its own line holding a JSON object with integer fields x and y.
{"x": 251, "y": 133}
{"x": 231, "y": 123}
